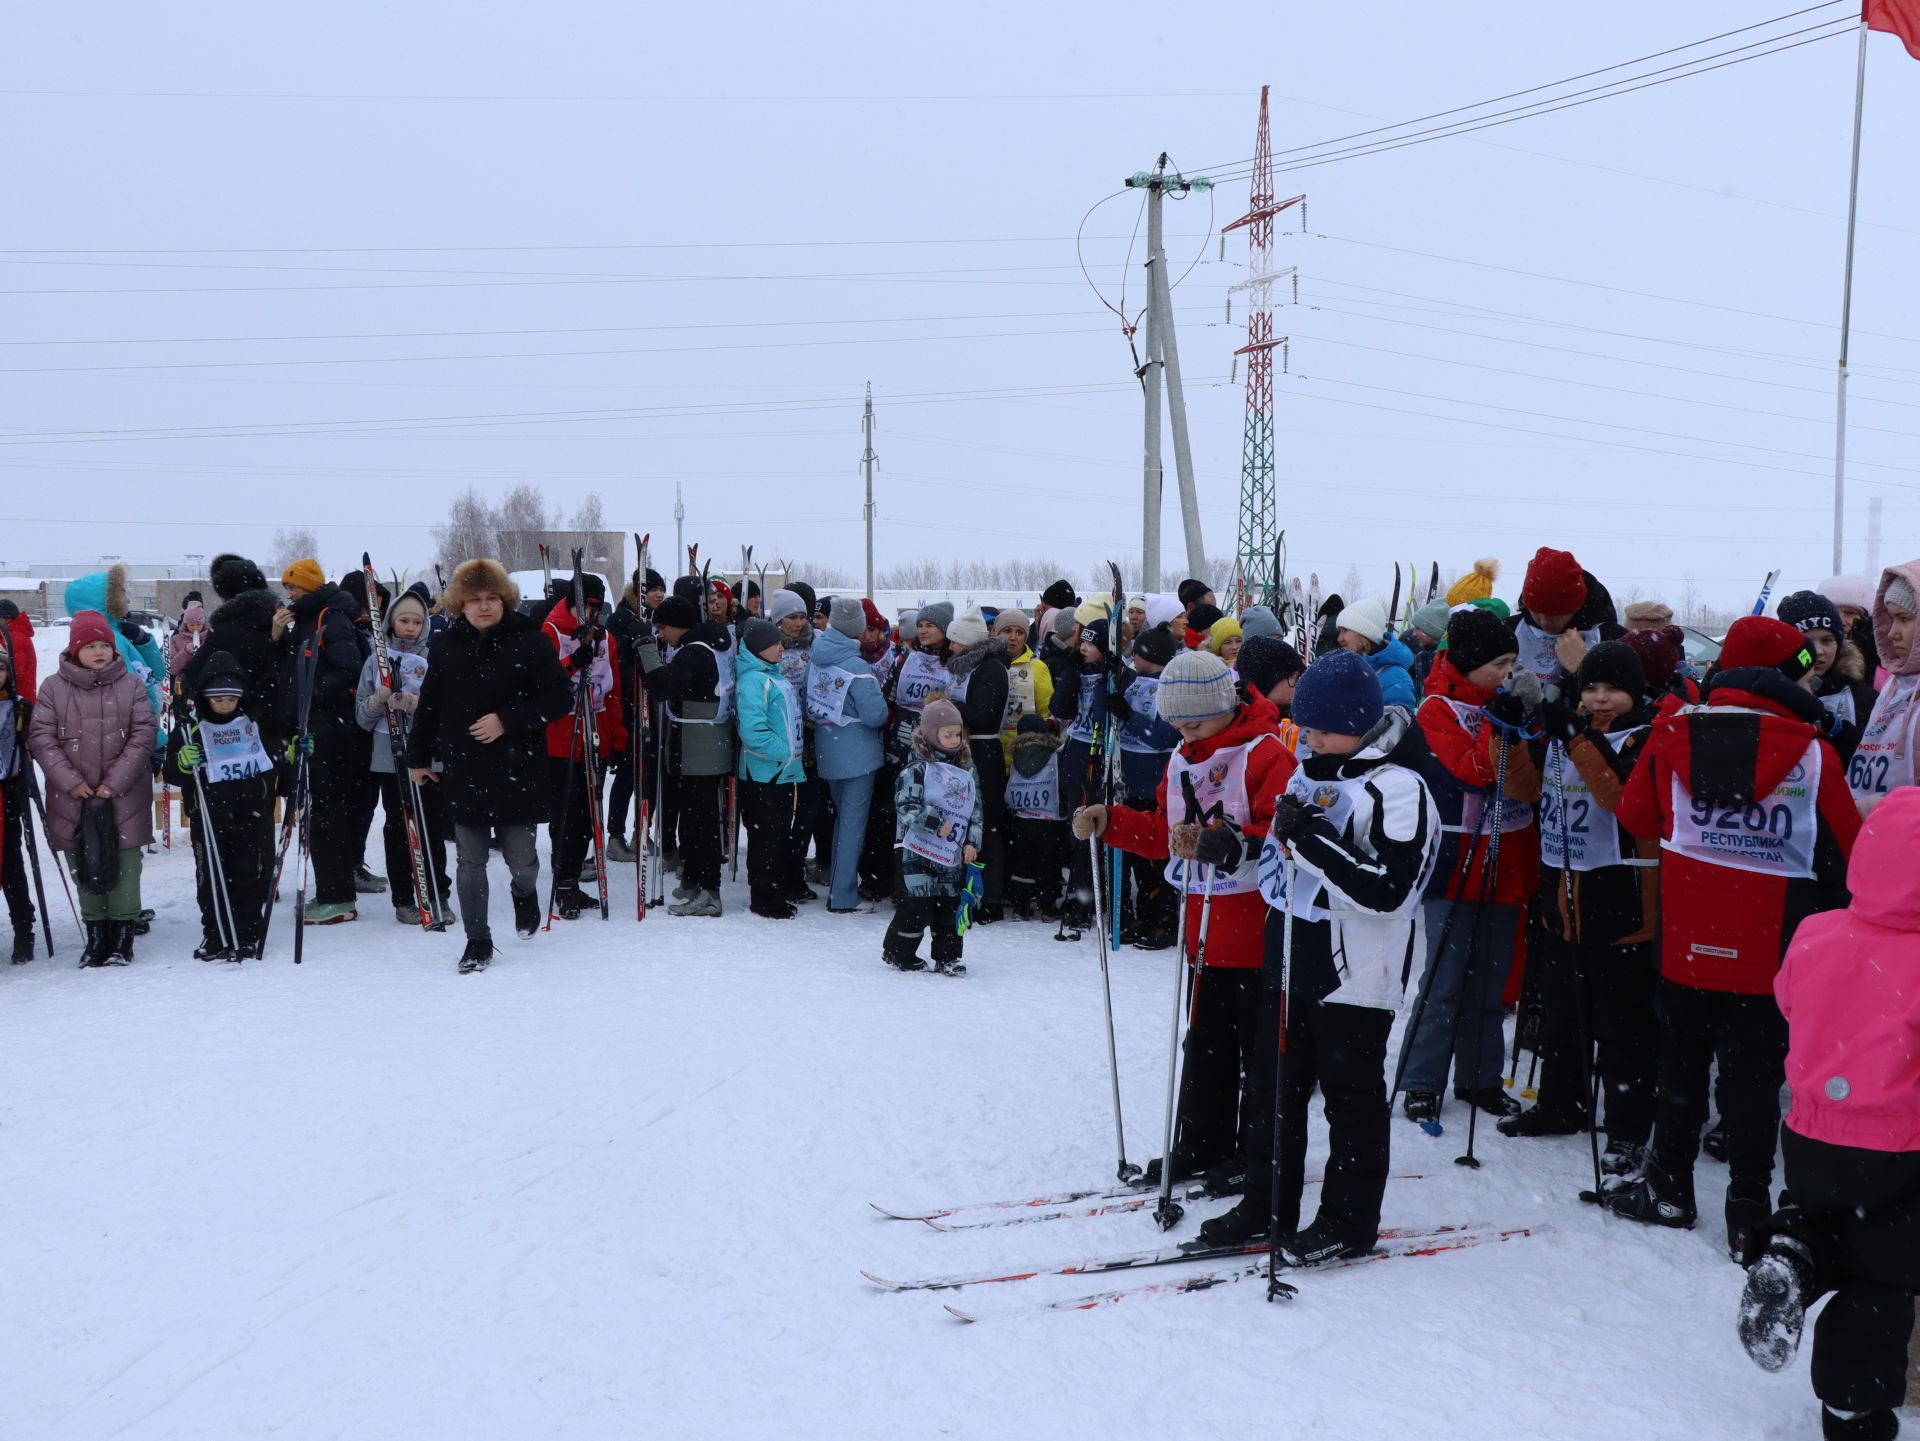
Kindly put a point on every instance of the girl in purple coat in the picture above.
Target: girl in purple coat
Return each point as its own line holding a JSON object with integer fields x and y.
{"x": 93, "y": 735}
{"x": 1849, "y": 1221}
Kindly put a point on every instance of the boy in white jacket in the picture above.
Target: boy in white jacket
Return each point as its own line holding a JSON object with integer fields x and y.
{"x": 1352, "y": 846}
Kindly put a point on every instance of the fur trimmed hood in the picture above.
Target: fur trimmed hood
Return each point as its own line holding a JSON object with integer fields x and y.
{"x": 927, "y": 751}
{"x": 476, "y": 577}
{"x": 965, "y": 661}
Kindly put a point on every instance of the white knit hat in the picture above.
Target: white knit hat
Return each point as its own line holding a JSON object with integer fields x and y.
{"x": 1365, "y": 617}
{"x": 968, "y": 628}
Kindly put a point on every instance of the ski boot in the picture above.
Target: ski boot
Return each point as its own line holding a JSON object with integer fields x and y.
{"x": 1315, "y": 1247}
{"x": 1545, "y": 1120}
{"x": 1714, "y": 1143}
{"x": 1227, "y": 1179}
{"x": 569, "y": 901}
{"x": 94, "y": 953}
{"x": 775, "y": 910}
{"x": 1247, "y": 1222}
{"x": 1652, "y": 1201}
{"x": 526, "y": 916}
{"x": 1422, "y": 1108}
{"x": 475, "y": 957}
{"x": 1773, "y": 1305}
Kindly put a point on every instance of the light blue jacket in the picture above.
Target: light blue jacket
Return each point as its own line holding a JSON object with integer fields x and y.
{"x": 1393, "y": 664}
{"x": 841, "y": 752}
{"x": 766, "y": 727}
{"x": 91, "y": 592}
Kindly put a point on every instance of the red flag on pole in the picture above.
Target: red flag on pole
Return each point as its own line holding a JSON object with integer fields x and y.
{"x": 1896, "y": 17}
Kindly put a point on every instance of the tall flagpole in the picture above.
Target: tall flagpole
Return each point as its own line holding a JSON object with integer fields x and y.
{"x": 1846, "y": 317}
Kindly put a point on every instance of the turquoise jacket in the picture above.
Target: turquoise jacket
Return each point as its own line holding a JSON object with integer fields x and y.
{"x": 90, "y": 592}
{"x": 768, "y": 730}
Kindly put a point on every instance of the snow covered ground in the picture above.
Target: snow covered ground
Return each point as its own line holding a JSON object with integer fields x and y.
{"x": 617, "y": 1186}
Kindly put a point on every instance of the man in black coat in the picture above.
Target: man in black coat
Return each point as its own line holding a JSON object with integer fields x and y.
{"x": 242, "y": 627}
{"x": 493, "y": 683}
{"x": 319, "y": 628}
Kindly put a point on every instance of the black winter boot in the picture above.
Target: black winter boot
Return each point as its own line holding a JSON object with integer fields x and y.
{"x": 99, "y": 941}
{"x": 120, "y": 943}
{"x": 478, "y": 953}
{"x": 1773, "y": 1306}
{"x": 1652, "y": 1200}
{"x": 1315, "y": 1247}
{"x": 526, "y": 914}
{"x": 1747, "y": 1218}
{"x": 1494, "y": 1100}
{"x": 22, "y": 945}
{"x": 1858, "y": 1425}
{"x": 1246, "y": 1223}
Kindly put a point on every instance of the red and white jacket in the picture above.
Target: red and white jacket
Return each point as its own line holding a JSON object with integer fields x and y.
{"x": 1252, "y": 767}
{"x": 1755, "y": 824}
{"x": 609, "y": 724}
{"x": 1466, "y": 743}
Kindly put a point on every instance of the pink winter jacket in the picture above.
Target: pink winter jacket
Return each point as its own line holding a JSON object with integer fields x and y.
{"x": 1850, "y": 990}
{"x": 95, "y": 726}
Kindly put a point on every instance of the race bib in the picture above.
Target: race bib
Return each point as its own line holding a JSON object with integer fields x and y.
{"x": 1220, "y": 789}
{"x": 792, "y": 702}
{"x": 233, "y": 750}
{"x": 948, "y": 792}
{"x": 828, "y": 692}
{"x": 1022, "y": 697}
{"x": 1537, "y": 653}
{"x": 1037, "y": 797}
{"x": 1773, "y": 835}
{"x": 406, "y": 671}
{"x": 1335, "y": 800}
{"x": 794, "y": 665}
{"x": 1577, "y": 833}
{"x": 920, "y": 676}
{"x": 1885, "y": 756}
{"x": 1514, "y": 815}
{"x": 1084, "y": 726}
{"x": 1137, "y": 734}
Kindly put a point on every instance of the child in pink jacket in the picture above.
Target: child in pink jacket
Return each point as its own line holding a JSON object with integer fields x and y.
{"x": 1849, "y": 1221}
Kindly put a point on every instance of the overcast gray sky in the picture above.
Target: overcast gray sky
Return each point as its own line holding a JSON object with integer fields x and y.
{"x": 758, "y": 208}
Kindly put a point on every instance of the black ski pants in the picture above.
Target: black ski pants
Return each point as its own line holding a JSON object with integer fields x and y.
{"x": 337, "y": 783}
{"x": 1037, "y": 857}
{"x": 990, "y": 769}
{"x": 569, "y": 826}
{"x": 1858, "y": 1212}
{"x": 769, "y": 809}
{"x": 699, "y": 806}
{"x": 915, "y": 915}
{"x": 242, "y": 837}
{"x": 1221, "y": 1026}
{"x": 395, "y": 795}
{"x": 13, "y": 858}
{"x": 1748, "y": 1036}
{"x": 876, "y": 853}
{"x": 1584, "y": 994}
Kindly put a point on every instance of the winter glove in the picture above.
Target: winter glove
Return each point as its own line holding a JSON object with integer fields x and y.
{"x": 299, "y": 746}
{"x": 1183, "y": 839}
{"x": 379, "y": 700}
{"x": 647, "y": 653}
{"x": 189, "y": 757}
{"x": 1290, "y": 813}
{"x": 406, "y": 702}
{"x": 1219, "y": 847}
{"x": 1118, "y": 708}
{"x": 1089, "y": 821}
{"x": 1558, "y": 722}
{"x": 1526, "y": 685}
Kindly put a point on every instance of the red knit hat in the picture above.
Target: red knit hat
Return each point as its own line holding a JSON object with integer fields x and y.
{"x": 1758, "y": 640}
{"x": 1555, "y": 584}
{"x": 875, "y": 620}
{"x": 88, "y": 626}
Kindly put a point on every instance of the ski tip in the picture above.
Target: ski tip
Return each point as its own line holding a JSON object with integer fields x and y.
{"x": 934, "y": 1222}
{"x": 1432, "y": 1128}
{"x": 958, "y": 1314}
{"x": 880, "y": 1281}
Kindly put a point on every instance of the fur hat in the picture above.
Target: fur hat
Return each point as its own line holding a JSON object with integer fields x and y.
{"x": 1476, "y": 584}
{"x": 1758, "y": 640}
{"x": 968, "y": 628}
{"x": 1555, "y": 584}
{"x": 478, "y": 577}
{"x": 1339, "y": 693}
{"x": 1649, "y": 614}
{"x": 1367, "y": 618}
{"x": 233, "y": 574}
{"x": 1196, "y": 685}
{"x": 304, "y": 573}
{"x": 848, "y": 616}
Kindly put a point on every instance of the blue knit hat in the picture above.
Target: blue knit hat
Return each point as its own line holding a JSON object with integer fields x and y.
{"x": 1339, "y": 693}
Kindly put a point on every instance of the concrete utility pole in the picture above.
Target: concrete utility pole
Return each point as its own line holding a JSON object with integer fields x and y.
{"x": 679, "y": 525}
{"x": 1162, "y": 367}
{"x": 866, "y": 463}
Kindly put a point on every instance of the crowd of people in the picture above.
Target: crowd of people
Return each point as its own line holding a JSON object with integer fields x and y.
{"x": 1683, "y": 880}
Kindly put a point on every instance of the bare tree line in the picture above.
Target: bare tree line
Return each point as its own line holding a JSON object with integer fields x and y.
{"x": 477, "y": 528}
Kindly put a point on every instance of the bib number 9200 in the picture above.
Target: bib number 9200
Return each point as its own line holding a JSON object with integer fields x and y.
{"x": 1777, "y": 821}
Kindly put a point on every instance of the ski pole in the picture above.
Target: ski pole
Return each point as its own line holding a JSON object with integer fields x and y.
{"x": 33, "y": 858}
{"x": 1126, "y": 1171}
{"x": 216, "y": 870}
{"x": 1274, "y": 1293}
{"x": 1167, "y": 1212}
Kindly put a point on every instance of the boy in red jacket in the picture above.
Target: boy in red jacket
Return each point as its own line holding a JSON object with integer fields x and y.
{"x": 1755, "y": 821}
{"x": 1849, "y": 1221}
{"x": 1232, "y": 756}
